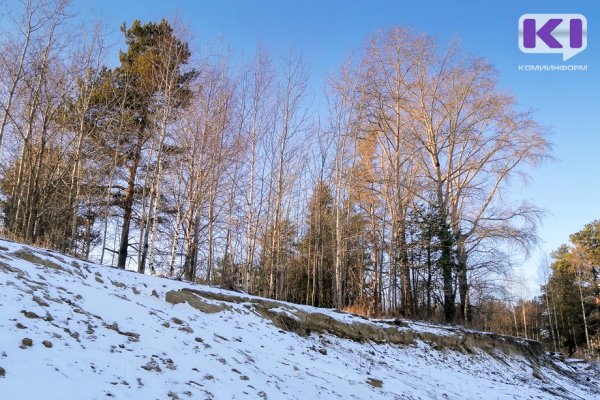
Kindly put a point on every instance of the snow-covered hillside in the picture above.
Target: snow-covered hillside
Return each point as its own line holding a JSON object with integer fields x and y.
{"x": 73, "y": 330}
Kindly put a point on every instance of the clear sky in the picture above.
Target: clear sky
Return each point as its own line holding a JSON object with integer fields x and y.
{"x": 327, "y": 31}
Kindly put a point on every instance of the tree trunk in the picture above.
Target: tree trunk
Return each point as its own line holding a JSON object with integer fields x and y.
{"x": 447, "y": 266}
{"x": 463, "y": 286}
{"x": 405, "y": 282}
{"x": 127, "y": 206}
{"x": 174, "y": 243}
{"x": 585, "y": 325}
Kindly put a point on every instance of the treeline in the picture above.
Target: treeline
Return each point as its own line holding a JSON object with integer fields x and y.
{"x": 565, "y": 316}
{"x": 392, "y": 200}
{"x": 571, "y": 294}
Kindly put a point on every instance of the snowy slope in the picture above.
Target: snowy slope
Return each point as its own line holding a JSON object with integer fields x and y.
{"x": 98, "y": 333}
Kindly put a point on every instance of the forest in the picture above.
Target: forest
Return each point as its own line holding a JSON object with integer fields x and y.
{"x": 390, "y": 195}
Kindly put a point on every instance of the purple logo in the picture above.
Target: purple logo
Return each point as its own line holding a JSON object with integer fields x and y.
{"x": 553, "y": 33}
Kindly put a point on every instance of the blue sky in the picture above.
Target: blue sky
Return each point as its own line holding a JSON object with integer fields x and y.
{"x": 327, "y": 31}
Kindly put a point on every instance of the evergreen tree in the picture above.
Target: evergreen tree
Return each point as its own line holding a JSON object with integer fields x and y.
{"x": 318, "y": 247}
{"x": 130, "y": 97}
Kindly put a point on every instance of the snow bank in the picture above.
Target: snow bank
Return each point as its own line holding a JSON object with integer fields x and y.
{"x": 73, "y": 330}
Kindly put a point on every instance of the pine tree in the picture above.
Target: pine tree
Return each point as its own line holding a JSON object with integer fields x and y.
{"x": 148, "y": 81}
{"x": 318, "y": 246}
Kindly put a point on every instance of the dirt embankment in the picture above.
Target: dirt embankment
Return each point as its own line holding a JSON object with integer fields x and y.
{"x": 287, "y": 317}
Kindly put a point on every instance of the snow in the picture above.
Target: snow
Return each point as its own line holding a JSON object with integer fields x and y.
{"x": 113, "y": 335}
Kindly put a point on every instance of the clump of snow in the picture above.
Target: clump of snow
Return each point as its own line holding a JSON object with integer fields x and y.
{"x": 98, "y": 332}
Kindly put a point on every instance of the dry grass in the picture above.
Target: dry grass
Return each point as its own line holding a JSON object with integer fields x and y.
{"x": 362, "y": 307}
{"x": 375, "y": 382}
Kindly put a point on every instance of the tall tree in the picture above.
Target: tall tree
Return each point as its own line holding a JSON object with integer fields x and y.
{"x": 143, "y": 90}
{"x": 171, "y": 92}
{"x": 291, "y": 123}
{"x": 466, "y": 138}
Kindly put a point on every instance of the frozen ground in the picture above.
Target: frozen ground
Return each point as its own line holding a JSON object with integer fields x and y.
{"x": 73, "y": 330}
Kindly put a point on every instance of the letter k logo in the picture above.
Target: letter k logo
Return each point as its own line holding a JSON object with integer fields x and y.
{"x": 544, "y": 33}
{"x": 564, "y": 34}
